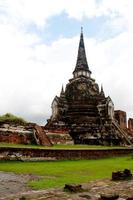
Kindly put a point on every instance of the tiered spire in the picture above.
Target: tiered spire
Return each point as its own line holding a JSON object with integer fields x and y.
{"x": 62, "y": 92}
{"x": 102, "y": 91}
{"x": 81, "y": 58}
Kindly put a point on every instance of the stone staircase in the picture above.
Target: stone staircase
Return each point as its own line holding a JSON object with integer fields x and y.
{"x": 122, "y": 133}
{"x": 41, "y": 137}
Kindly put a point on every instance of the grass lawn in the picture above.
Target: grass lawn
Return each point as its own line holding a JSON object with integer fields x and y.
{"x": 57, "y": 173}
{"x": 59, "y": 146}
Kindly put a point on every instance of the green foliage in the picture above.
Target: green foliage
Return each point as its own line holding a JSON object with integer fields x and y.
{"x": 10, "y": 118}
{"x": 59, "y": 173}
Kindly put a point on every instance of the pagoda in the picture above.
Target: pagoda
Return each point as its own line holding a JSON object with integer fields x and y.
{"x": 84, "y": 110}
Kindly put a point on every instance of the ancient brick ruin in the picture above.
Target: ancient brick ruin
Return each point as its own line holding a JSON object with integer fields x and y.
{"x": 121, "y": 118}
{"x": 130, "y": 124}
{"x": 84, "y": 110}
{"x": 28, "y": 133}
{"x": 127, "y": 126}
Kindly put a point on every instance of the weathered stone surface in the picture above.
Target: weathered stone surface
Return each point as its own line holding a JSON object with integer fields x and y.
{"x": 13, "y": 133}
{"x": 73, "y": 188}
{"x": 59, "y": 137}
{"x": 28, "y": 133}
{"x": 33, "y": 154}
{"x": 41, "y": 137}
{"x": 93, "y": 189}
{"x": 85, "y": 196}
{"x": 121, "y": 175}
{"x": 109, "y": 196}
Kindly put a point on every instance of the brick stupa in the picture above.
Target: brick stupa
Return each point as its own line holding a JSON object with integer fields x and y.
{"x": 84, "y": 109}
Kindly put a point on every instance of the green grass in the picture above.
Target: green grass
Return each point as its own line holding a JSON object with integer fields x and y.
{"x": 83, "y": 146}
{"x": 58, "y": 146}
{"x": 21, "y": 145}
{"x": 58, "y": 173}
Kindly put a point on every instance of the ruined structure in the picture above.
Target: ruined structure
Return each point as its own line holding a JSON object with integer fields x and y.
{"x": 130, "y": 124}
{"x": 121, "y": 118}
{"x": 28, "y": 133}
{"x": 84, "y": 110}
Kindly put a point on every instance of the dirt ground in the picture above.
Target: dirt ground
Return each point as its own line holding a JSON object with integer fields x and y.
{"x": 13, "y": 184}
{"x": 13, "y": 187}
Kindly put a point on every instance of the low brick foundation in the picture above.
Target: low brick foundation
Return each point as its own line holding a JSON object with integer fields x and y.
{"x": 65, "y": 154}
{"x": 17, "y": 138}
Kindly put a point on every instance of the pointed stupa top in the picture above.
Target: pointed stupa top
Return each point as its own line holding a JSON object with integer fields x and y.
{"x": 62, "y": 91}
{"x": 102, "y": 92}
{"x": 81, "y": 58}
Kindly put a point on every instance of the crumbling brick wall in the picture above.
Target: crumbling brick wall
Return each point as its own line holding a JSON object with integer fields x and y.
{"x": 121, "y": 118}
{"x": 130, "y": 124}
{"x": 29, "y": 133}
{"x": 16, "y": 138}
{"x": 66, "y": 154}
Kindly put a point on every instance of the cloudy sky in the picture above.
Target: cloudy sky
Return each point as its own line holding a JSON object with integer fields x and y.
{"x": 38, "y": 49}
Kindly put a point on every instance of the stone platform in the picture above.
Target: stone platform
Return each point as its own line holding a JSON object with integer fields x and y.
{"x": 61, "y": 154}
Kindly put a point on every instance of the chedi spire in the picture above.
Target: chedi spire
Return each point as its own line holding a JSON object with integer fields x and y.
{"x": 102, "y": 91}
{"x": 81, "y": 64}
{"x": 62, "y": 92}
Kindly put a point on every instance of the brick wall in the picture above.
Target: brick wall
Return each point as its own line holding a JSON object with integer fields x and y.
{"x": 60, "y": 154}
{"x": 130, "y": 124}
{"x": 16, "y": 138}
{"x": 121, "y": 118}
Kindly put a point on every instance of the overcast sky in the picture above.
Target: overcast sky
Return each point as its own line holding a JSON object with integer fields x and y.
{"x": 38, "y": 50}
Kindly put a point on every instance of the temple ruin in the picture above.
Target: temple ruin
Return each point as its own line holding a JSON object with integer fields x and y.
{"x": 84, "y": 110}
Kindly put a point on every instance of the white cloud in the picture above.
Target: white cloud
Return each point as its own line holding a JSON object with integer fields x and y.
{"x": 38, "y": 11}
{"x": 29, "y": 72}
